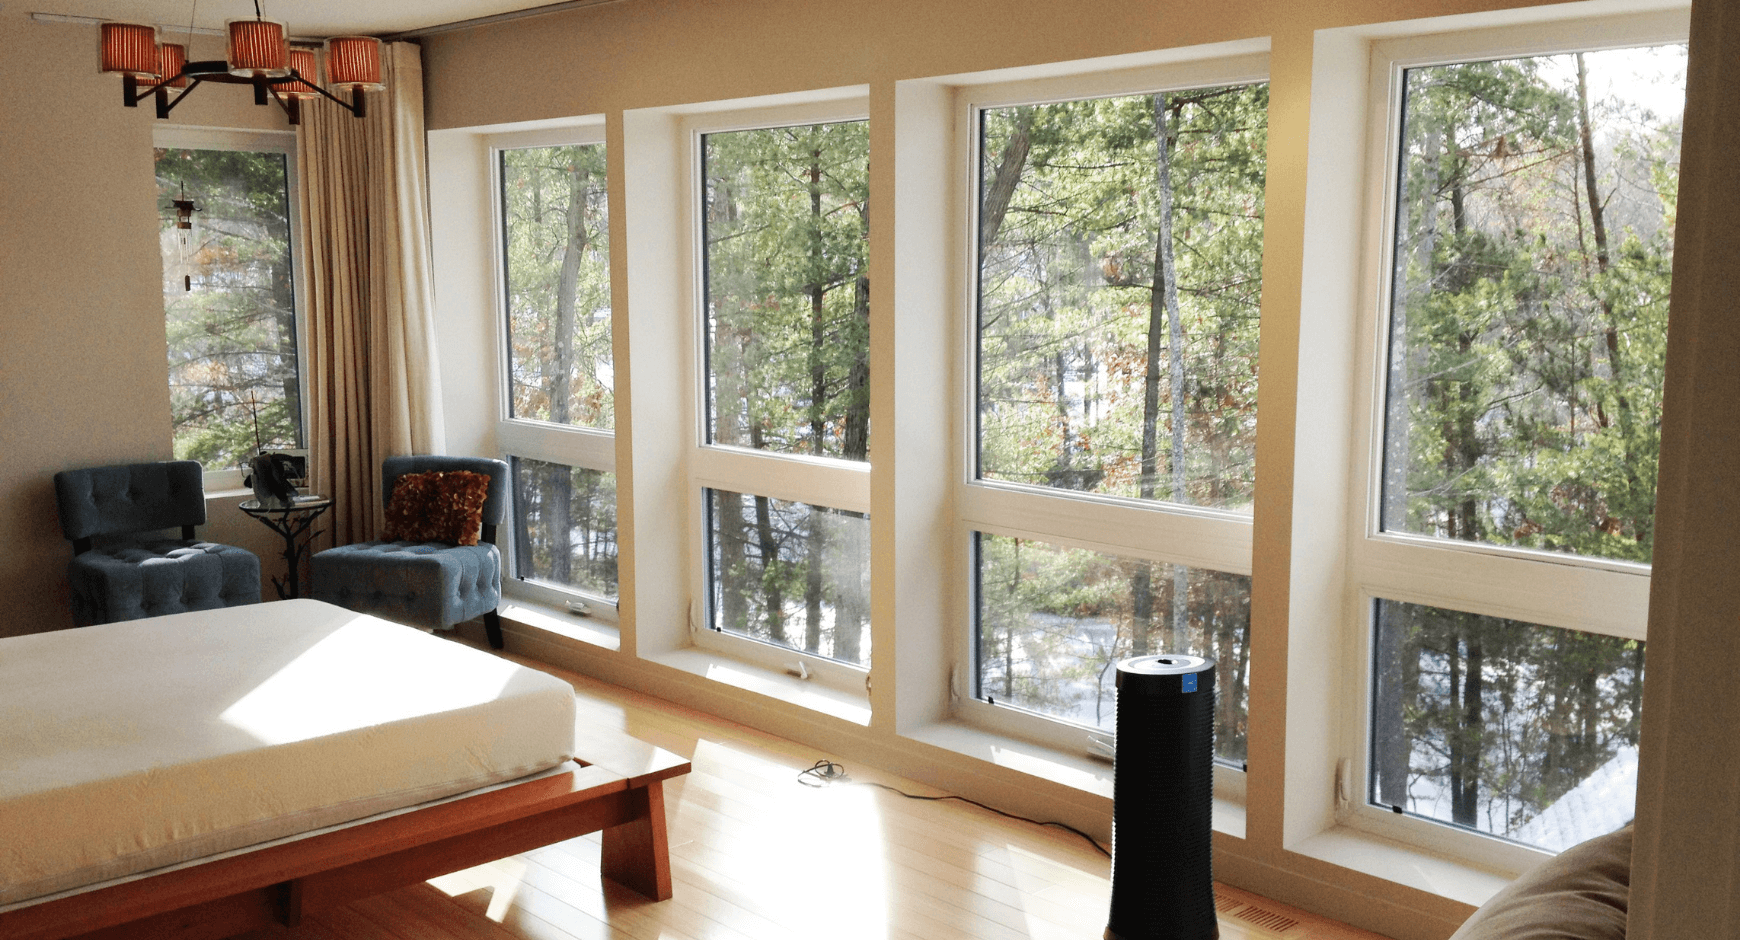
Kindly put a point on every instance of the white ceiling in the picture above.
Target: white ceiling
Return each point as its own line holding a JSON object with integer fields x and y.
{"x": 307, "y": 19}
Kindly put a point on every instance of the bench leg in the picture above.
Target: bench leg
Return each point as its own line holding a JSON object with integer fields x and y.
{"x": 492, "y": 626}
{"x": 637, "y": 853}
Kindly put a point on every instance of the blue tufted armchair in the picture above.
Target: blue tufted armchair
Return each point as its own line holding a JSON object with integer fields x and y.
{"x": 123, "y": 568}
{"x": 426, "y": 584}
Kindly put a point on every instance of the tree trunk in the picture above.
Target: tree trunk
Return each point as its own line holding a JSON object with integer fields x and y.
{"x": 1001, "y": 188}
{"x": 1391, "y": 744}
{"x": 772, "y": 592}
{"x": 1394, "y": 515}
{"x": 732, "y": 570}
{"x": 852, "y": 608}
{"x": 1465, "y": 753}
{"x": 1162, "y": 305}
{"x": 558, "y": 481}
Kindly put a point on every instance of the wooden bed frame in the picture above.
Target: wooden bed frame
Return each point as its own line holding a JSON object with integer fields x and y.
{"x": 619, "y": 790}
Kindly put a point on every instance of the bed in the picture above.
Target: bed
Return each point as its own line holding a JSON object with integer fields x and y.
{"x": 204, "y": 774}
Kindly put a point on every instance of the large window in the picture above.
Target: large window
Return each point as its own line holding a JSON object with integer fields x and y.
{"x": 1117, "y": 286}
{"x": 784, "y": 234}
{"x": 1519, "y": 415}
{"x": 229, "y": 299}
{"x": 559, "y": 409}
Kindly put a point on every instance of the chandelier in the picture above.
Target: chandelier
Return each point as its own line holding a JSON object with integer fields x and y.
{"x": 258, "y": 54}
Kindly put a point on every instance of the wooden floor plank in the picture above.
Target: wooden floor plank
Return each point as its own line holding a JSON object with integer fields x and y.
{"x": 755, "y": 855}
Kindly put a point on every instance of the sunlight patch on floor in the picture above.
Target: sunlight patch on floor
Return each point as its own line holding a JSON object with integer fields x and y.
{"x": 821, "y": 853}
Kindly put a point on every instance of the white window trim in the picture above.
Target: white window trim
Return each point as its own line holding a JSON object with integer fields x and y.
{"x": 573, "y": 445}
{"x": 818, "y": 481}
{"x": 185, "y": 137}
{"x": 1193, "y": 536}
{"x": 1590, "y": 595}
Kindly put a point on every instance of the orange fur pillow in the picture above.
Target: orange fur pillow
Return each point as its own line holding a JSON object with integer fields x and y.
{"x": 437, "y": 507}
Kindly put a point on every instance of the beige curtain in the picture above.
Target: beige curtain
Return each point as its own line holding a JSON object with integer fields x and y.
{"x": 372, "y": 378}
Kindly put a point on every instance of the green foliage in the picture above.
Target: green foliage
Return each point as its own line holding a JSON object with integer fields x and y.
{"x": 1502, "y": 718}
{"x": 229, "y": 307}
{"x": 788, "y": 292}
{"x": 565, "y": 530}
{"x": 786, "y": 221}
{"x": 557, "y": 241}
{"x": 1531, "y": 321}
{"x": 1054, "y": 621}
{"x": 1527, "y": 344}
{"x": 791, "y": 574}
{"x": 1072, "y": 325}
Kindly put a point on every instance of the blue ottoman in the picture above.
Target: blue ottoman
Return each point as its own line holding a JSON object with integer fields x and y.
{"x": 426, "y": 584}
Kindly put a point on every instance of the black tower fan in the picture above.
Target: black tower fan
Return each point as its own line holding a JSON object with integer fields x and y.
{"x": 1163, "y": 801}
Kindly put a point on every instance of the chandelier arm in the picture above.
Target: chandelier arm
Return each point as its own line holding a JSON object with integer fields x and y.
{"x": 356, "y": 109}
{"x": 292, "y": 107}
{"x": 164, "y": 106}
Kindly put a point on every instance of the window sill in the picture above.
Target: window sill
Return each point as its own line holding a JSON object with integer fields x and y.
{"x": 240, "y": 492}
{"x": 808, "y": 694}
{"x": 557, "y": 620}
{"x": 1064, "y": 769}
{"x": 1403, "y": 864}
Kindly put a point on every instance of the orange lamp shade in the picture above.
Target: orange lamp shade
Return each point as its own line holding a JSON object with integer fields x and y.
{"x": 171, "y": 59}
{"x": 128, "y": 49}
{"x": 354, "y": 62}
{"x": 258, "y": 49}
{"x": 302, "y": 60}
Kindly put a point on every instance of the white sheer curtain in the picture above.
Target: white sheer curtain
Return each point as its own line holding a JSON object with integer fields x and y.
{"x": 372, "y": 372}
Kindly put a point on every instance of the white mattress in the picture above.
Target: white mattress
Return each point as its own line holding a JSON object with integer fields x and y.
{"x": 125, "y": 747}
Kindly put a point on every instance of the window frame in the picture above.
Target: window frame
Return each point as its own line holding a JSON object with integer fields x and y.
{"x": 1174, "y": 533}
{"x": 1580, "y": 593}
{"x": 188, "y": 137}
{"x": 580, "y": 446}
{"x": 825, "y": 482}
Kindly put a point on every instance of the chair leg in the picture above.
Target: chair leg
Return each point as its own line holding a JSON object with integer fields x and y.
{"x": 492, "y": 626}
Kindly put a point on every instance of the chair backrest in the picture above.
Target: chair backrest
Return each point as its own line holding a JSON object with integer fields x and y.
{"x": 134, "y": 497}
{"x": 494, "y": 507}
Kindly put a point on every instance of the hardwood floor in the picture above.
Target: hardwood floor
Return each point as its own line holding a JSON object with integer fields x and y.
{"x": 758, "y": 856}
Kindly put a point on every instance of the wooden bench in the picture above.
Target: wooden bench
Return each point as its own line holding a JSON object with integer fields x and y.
{"x": 618, "y": 789}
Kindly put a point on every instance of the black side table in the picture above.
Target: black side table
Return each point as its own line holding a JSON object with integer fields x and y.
{"x": 292, "y": 524}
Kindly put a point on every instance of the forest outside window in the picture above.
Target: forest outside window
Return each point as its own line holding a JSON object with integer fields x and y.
{"x": 1527, "y": 324}
{"x": 555, "y": 498}
{"x": 559, "y": 403}
{"x": 786, "y": 229}
{"x": 785, "y": 293}
{"x": 790, "y": 573}
{"x": 556, "y": 250}
{"x": 229, "y": 299}
{"x": 1117, "y": 289}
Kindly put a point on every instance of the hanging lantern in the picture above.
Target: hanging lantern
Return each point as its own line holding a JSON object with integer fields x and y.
{"x": 171, "y": 61}
{"x": 303, "y": 63}
{"x": 184, "y": 210}
{"x": 258, "y": 48}
{"x": 354, "y": 62}
{"x": 128, "y": 49}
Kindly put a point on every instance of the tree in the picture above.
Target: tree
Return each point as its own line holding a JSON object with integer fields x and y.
{"x": 229, "y": 305}
{"x": 1527, "y": 334}
{"x": 788, "y": 305}
{"x": 556, "y": 235}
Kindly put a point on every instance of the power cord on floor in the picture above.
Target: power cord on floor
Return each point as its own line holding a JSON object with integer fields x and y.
{"x": 827, "y": 773}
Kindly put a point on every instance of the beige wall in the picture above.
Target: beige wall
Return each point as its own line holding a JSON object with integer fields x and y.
{"x": 83, "y": 367}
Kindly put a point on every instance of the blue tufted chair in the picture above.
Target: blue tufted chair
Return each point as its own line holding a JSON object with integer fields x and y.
{"x": 123, "y": 568}
{"x": 426, "y": 584}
